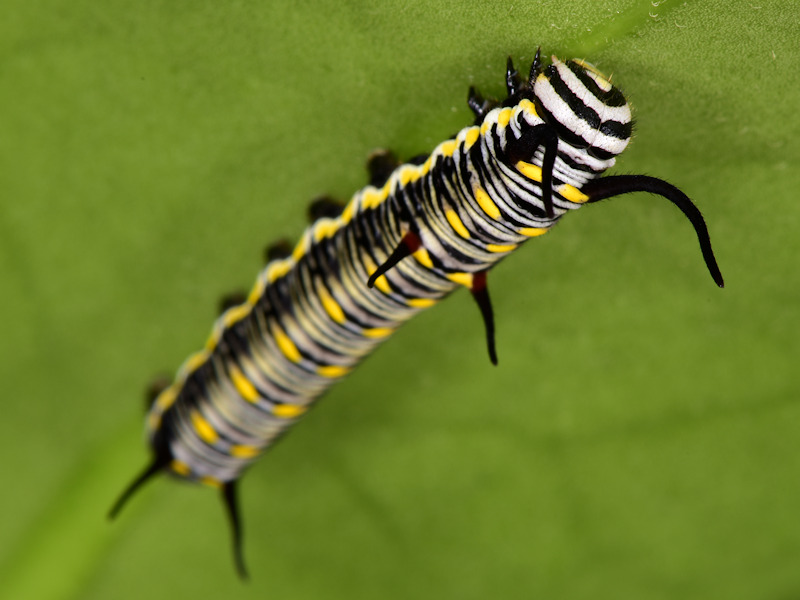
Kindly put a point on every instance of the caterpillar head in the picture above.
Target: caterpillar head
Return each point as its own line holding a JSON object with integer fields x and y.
{"x": 586, "y": 110}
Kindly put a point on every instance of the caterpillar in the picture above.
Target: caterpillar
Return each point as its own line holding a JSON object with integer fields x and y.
{"x": 419, "y": 231}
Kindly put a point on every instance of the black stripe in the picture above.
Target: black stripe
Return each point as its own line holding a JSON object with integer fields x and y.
{"x": 576, "y": 105}
{"x": 612, "y": 97}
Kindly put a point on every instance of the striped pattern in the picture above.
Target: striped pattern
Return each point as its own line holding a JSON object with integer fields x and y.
{"x": 397, "y": 248}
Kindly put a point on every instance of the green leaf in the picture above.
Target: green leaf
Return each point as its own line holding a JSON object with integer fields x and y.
{"x": 639, "y": 436}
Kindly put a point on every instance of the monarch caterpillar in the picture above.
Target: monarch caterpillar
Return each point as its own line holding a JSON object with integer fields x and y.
{"x": 416, "y": 233}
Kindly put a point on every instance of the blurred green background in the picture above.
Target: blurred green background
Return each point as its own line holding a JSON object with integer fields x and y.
{"x": 639, "y": 438}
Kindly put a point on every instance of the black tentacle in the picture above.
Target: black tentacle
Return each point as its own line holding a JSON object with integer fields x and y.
{"x": 616, "y": 185}
{"x": 480, "y": 291}
{"x": 231, "y": 503}
{"x": 407, "y": 246}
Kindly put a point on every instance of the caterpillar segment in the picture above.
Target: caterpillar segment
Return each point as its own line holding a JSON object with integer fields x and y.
{"x": 417, "y": 232}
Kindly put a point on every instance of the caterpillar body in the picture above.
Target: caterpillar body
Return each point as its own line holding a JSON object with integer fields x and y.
{"x": 401, "y": 244}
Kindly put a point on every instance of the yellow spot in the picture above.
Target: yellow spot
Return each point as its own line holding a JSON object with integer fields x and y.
{"x": 347, "y": 213}
{"x": 572, "y": 193}
{"x": 464, "y": 279}
{"x": 456, "y": 223}
{"x": 486, "y": 203}
{"x": 237, "y": 313}
{"x": 153, "y": 421}
{"x": 472, "y": 135}
{"x": 180, "y": 467}
{"x": 332, "y": 371}
{"x": 423, "y": 258}
{"x": 212, "y": 340}
{"x": 242, "y": 451}
{"x": 421, "y": 302}
{"x": 325, "y": 229}
{"x": 194, "y": 361}
{"x": 377, "y": 332}
{"x": 533, "y": 231}
{"x": 243, "y": 385}
{"x": 256, "y": 292}
{"x": 485, "y": 127}
{"x": 528, "y": 106}
{"x": 166, "y": 398}
{"x": 426, "y": 166}
{"x": 504, "y": 117}
{"x": 530, "y": 171}
{"x": 372, "y": 198}
{"x": 288, "y": 411}
{"x": 447, "y": 148}
{"x": 500, "y": 247}
{"x": 330, "y": 305}
{"x": 203, "y": 428}
{"x": 286, "y": 346}
{"x": 408, "y": 174}
{"x": 301, "y": 248}
{"x": 210, "y": 481}
{"x": 277, "y": 269}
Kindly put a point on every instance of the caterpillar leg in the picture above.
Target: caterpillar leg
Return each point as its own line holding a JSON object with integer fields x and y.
{"x": 380, "y": 165}
{"x": 616, "y": 185}
{"x": 278, "y": 250}
{"x": 324, "y": 207}
{"x": 479, "y": 105}
{"x": 230, "y": 500}
{"x": 230, "y": 300}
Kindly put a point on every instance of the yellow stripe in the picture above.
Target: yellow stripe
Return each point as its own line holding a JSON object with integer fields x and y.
{"x": 286, "y": 346}
{"x": 530, "y": 171}
{"x": 533, "y": 231}
{"x": 423, "y": 258}
{"x": 464, "y": 279}
{"x": 377, "y": 332}
{"x": 243, "y": 385}
{"x": 421, "y": 302}
{"x": 486, "y": 203}
{"x": 330, "y": 305}
{"x": 571, "y": 193}
{"x": 180, "y": 467}
{"x": 203, "y": 428}
{"x": 456, "y": 223}
{"x": 241, "y": 451}
{"x": 288, "y": 411}
{"x": 500, "y": 247}
{"x": 332, "y": 371}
